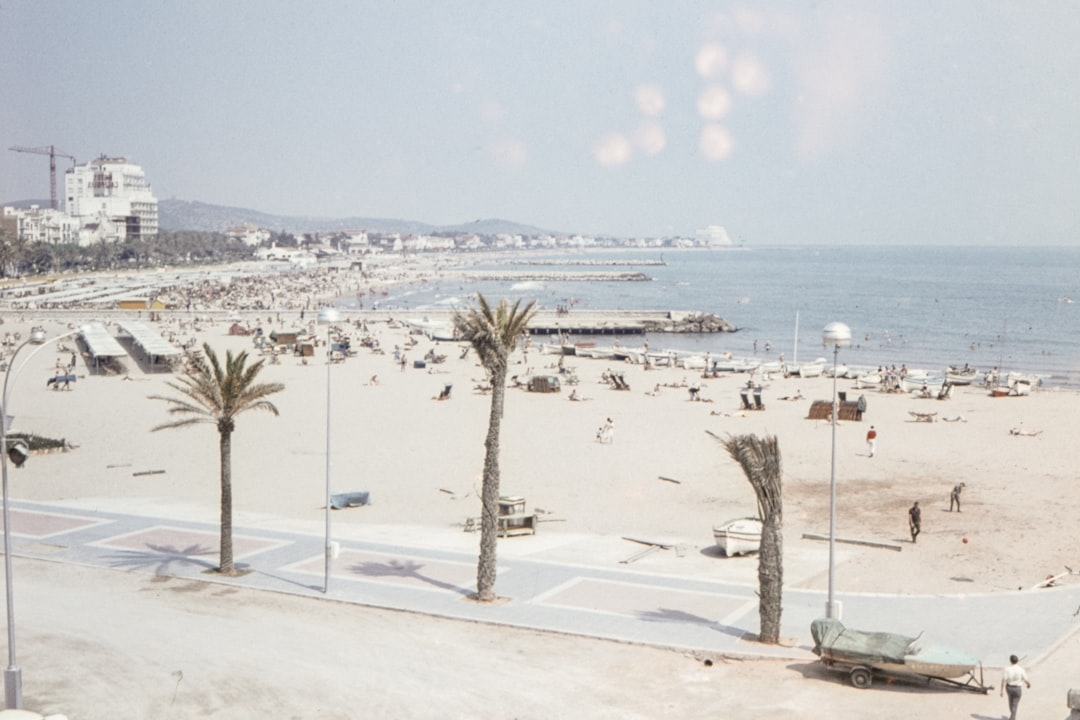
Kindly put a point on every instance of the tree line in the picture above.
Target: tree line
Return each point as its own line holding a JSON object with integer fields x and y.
{"x": 19, "y": 258}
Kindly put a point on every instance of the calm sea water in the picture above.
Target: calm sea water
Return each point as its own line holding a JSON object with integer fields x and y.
{"x": 923, "y": 306}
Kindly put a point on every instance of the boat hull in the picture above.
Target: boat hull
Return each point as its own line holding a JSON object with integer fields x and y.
{"x": 738, "y": 537}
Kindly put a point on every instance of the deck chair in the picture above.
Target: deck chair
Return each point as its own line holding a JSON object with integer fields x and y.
{"x": 745, "y": 401}
{"x": 445, "y": 394}
{"x": 758, "y": 405}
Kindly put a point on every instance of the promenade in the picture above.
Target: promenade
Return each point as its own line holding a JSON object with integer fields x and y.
{"x": 618, "y": 602}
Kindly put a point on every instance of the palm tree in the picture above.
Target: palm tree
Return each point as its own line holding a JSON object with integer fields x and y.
{"x": 213, "y": 393}
{"x": 493, "y": 334}
{"x": 760, "y": 461}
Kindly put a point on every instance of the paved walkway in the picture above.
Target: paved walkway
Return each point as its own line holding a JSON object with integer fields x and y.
{"x": 617, "y": 603}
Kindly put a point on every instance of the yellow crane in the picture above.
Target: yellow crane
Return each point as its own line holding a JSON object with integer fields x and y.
{"x": 53, "y": 153}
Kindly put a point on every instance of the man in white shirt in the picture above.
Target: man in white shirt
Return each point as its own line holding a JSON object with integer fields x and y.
{"x": 1013, "y": 680}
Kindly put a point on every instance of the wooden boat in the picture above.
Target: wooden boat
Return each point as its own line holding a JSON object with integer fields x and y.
{"x": 863, "y": 654}
{"x": 960, "y": 376}
{"x": 739, "y": 536}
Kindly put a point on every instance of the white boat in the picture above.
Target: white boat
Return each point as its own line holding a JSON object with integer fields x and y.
{"x": 734, "y": 365}
{"x": 840, "y": 371}
{"x": 1031, "y": 380}
{"x": 810, "y": 370}
{"x": 596, "y": 353}
{"x": 961, "y": 376}
{"x": 691, "y": 362}
{"x": 739, "y": 536}
{"x": 869, "y": 380}
{"x": 434, "y": 329}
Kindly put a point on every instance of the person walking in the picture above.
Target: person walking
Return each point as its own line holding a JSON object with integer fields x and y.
{"x": 915, "y": 520}
{"x": 871, "y": 440}
{"x": 954, "y": 496}
{"x": 1013, "y": 680}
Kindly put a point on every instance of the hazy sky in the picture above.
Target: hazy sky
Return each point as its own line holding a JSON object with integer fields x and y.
{"x": 954, "y": 122}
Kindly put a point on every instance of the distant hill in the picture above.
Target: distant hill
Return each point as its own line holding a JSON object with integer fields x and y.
{"x": 176, "y": 214}
{"x": 27, "y": 204}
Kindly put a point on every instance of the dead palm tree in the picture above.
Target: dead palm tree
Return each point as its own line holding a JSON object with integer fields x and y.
{"x": 492, "y": 333}
{"x": 216, "y": 394}
{"x": 760, "y": 461}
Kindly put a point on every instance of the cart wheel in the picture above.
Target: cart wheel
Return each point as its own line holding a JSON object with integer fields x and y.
{"x": 861, "y": 677}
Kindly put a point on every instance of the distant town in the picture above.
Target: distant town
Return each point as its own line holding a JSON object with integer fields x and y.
{"x": 108, "y": 200}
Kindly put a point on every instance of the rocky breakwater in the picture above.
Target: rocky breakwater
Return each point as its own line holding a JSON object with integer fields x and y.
{"x": 552, "y": 276}
{"x": 689, "y": 323}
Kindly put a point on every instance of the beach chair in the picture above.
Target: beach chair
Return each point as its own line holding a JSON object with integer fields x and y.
{"x": 745, "y": 401}
{"x": 445, "y": 394}
{"x": 758, "y": 405}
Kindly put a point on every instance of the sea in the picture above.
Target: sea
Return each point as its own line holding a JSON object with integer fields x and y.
{"x": 924, "y": 307}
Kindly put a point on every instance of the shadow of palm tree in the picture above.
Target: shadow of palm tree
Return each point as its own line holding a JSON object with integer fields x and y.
{"x": 403, "y": 569}
{"x": 163, "y": 558}
{"x": 671, "y": 615}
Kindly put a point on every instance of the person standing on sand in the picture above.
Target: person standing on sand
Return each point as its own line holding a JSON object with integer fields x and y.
{"x": 871, "y": 440}
{"x": 1013, "y": 679}
{"x": 915, "y": 520}
{"x": 954, "y": 496}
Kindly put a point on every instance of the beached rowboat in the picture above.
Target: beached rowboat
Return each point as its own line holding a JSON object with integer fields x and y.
{"x": 961, "y": 376}
{"x": 739, "y": 536}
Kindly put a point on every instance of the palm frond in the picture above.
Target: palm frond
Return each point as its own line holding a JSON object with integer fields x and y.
{"x": 217, "y": 392}
{"x": 492, "y": 332}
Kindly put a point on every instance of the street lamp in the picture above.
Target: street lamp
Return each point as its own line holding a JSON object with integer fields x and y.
{"x": 838, "y": 335}
{"x": 13, "y": 673}
{"x": 328, "y": 316}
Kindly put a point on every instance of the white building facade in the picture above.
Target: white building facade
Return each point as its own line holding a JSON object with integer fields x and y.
{"x": 111, "y": 193}
{"x": 41, "y": 225}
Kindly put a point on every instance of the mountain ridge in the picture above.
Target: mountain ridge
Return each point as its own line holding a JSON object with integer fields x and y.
{"x": 175, "y": 214}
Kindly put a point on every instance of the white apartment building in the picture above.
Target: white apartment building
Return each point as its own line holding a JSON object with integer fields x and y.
{"x": 111, "y": 193}
{"x": 41, "y": 225}
{"x": 252, "y": 235}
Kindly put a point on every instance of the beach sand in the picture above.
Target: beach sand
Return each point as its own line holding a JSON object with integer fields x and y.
{"x": 421, "y": 460}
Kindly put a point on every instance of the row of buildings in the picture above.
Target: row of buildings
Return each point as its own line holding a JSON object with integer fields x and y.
{"x": 363, "y": 242}
{"x": 109, "y": 200}
{"x": 105, "y": 200}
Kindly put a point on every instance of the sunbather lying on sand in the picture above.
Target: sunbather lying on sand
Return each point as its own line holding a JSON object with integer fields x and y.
{"x": 1025, "y": 433}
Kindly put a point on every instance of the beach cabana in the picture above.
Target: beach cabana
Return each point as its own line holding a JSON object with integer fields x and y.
{"x": 100, "y": 344}
{"x": 156, "y": 348}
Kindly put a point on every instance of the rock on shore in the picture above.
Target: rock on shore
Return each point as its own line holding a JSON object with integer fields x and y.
{"x": 691, "y": 323}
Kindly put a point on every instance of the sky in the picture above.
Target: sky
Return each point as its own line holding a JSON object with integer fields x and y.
{"x": 790, "y": 122}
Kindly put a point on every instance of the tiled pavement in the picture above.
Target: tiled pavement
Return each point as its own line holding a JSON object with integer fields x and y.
{"x": 620, "y": 603}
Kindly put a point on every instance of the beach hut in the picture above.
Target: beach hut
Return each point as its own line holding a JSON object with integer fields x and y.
{"x": 847, "y": 410}
{"x": 544, "y": 384}
{"x": 287, "y": 339}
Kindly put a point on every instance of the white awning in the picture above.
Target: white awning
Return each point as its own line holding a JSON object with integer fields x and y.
{"x": 149, "y": 339}
{"x": 100, "y": 342}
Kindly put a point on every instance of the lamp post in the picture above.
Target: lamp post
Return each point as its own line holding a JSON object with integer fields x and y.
{"x": 328, "y": 316}
{"x": 13, "y": 673}
{"x": 838, "y": 335}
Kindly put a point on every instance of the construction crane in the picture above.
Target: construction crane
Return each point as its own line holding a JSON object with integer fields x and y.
{"x": 53, "y": 153}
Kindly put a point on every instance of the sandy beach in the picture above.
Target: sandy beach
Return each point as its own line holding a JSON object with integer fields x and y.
{"x": 663, "y": 478}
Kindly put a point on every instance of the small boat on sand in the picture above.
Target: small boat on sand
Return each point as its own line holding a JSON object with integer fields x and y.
{"x": 960, "y": 376}
{"x": 739, "y": 536}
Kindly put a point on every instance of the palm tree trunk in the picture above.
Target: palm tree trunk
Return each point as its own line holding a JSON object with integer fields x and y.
{"x": 771, "y": 580}
{"x": 761, "y": 463}
{"x": 489, "y": 493}
{"x": 225, "y": 565}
